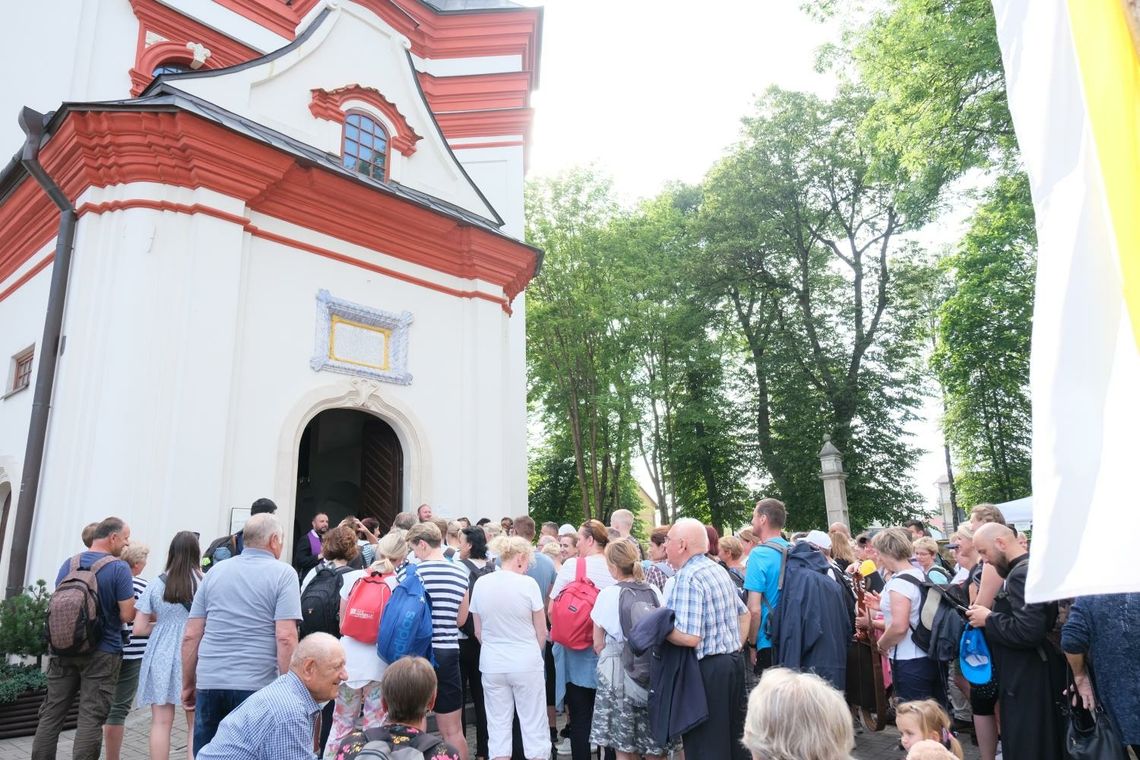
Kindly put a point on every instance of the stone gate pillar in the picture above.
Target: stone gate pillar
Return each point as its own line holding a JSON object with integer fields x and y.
{"x": 834, "y": 483}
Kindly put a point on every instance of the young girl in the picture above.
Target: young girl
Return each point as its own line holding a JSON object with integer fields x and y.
{"x": 918, "y": 721}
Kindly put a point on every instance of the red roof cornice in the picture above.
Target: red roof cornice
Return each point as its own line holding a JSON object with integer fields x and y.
{"x": 104, "y": 148}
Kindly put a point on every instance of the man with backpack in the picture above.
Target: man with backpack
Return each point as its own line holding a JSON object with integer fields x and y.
{"x": 762, "y": 577}
{"x": 408, "y": 693}
{"x": 93, "y": 597}
{"x": 231, "y": 545}
{"x": 242, "y": 628}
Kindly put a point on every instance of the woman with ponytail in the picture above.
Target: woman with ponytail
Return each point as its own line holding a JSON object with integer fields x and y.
{"x": 358, "y": 698}
{"x": 162, "y": 613}
{"x": 621, "y": 709}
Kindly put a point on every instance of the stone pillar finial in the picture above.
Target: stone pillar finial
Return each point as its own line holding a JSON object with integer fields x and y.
{"x": 834, "y": 483}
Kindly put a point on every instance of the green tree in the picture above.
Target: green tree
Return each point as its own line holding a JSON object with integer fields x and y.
{"x": 802, "y": 235}
{"x": 579, "y": 360}
{"x": 934, "y": 70}
{"x": 982, "y": 359}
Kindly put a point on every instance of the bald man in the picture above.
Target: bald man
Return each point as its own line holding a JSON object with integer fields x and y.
{"x": 277, "y": 722}
{"x": 712, "y": 620}
{"x": 1030, "y": 671}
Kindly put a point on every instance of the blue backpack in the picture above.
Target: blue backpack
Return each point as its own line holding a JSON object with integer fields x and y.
{"x": 405, "y": 627}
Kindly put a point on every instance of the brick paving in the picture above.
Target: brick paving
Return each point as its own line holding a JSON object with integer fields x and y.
{"x": 869, "y": 746}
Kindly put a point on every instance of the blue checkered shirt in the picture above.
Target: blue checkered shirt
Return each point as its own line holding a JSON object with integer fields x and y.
{"x": 707, "y": 604}
{"x": 276, "y": 723}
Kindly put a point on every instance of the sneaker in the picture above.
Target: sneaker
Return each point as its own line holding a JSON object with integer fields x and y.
{"x": 563, "y": 747}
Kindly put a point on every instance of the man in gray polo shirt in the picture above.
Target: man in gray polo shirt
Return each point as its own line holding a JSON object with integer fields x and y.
{"x": 242, "y": 628}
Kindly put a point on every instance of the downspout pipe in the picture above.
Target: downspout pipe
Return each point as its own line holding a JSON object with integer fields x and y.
{"x": 32, "y": 122}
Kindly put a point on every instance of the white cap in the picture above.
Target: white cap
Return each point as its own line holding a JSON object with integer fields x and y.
{"x": 567, "y": 530}
{"x": 819, "y": 538}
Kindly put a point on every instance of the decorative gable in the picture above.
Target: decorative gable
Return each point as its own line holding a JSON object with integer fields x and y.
{"x": 334, "y": 105}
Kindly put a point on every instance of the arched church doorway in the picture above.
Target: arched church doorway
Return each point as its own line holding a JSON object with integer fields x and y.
{"x": 349, "y": 463}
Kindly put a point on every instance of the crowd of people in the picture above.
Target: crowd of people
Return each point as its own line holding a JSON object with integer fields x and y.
{"x": 690, "y": 645}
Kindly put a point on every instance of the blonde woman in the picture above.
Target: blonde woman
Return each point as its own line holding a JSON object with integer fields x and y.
{"x": 797, "y": 716}
{"x": 621, "y": 707}
{"x": 510, "y": 623}
{"x": 915, "y": 675}
{"x": 359, "y": 696}
{"x": 926, "y": 552}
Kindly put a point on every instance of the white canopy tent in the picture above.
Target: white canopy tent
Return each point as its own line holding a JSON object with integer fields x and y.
{"x": 1019, "y": 512}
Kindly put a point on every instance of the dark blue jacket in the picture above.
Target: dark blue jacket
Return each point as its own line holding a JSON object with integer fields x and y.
{"x": 676, "y": 693}
{"x": 811, "y": 629}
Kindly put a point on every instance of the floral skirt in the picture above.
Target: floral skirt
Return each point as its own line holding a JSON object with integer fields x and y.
{"x": 621, "y": 711}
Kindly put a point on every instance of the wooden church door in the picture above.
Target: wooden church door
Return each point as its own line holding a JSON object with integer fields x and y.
{"x": 381, "y": 473}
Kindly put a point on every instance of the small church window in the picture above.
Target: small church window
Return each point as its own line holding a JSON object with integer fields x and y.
{"x": 21, "y": 376}
{"x": 169, "y": 68}
{"x": 365, "y": 146}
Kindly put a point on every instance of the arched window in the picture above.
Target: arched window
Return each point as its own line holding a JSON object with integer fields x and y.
{"x": 169, "y": 68}
{"x": 365, "y": 146}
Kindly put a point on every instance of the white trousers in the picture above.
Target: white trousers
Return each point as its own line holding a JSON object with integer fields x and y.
{"x": 505, "y": 693}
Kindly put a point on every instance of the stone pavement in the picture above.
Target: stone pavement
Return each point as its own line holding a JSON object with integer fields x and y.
{"x": 869, "y": 746}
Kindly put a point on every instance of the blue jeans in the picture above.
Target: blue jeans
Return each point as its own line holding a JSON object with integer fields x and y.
{"x": 211, "y": 707}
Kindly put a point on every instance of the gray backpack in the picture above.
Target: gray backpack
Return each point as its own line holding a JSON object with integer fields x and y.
{"x": 381, "y": 747}
{"x": 637, "y": 600}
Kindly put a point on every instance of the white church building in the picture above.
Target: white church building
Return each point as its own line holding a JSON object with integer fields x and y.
{"x": 258, "y": 248}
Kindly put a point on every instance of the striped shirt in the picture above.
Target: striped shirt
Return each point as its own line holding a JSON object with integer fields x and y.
{"x": 136, "y": 647}
{"x": 446, "y": 586}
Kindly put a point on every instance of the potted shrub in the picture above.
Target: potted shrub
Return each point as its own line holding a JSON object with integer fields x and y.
{"x": 22, "y": 650}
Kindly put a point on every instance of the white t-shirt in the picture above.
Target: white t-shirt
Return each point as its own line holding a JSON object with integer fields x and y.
{"x": 596, "y": 570}
{"x": 607, "y": 611}
{"x": 360, "y": 659}
{"x": 906, "y": 648}
{"x": 505, "y": 603}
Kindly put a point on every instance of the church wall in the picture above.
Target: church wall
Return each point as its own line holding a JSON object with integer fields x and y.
{"x": 63, "y": 50}
{"x": 188, "y": 350}
{"x": 21, "y": 325}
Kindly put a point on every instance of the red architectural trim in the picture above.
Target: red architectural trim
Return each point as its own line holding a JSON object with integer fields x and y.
{"x": 394, "y": 274}
{"x": 329, "y": 105}
{"x": 512, "y": 121}
{"x": 248, "y": 226}
{"x": 476, "y": 92}
{"x": 502, "y": 144}
{"x": 178, "y": 30}
{"x": 277, "y": 16}
{"x": 25, "y": 227}
{"x": 513, "y": 31}
{"x": 26, "y": 276}
{"x": 104, "y": 148}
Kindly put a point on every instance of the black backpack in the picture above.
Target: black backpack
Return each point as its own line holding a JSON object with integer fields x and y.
{"x": 476, "y": 572}
{"x": 940, "y": 624}
{"x": 637, "y": 600}
{"x": 320, "y": 604}
{"x": 219, "y": 549}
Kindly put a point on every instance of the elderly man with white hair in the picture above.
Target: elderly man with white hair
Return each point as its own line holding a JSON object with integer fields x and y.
{"x": 711, "y": 618}
{"x": 242, "y": 628}
{"x": 279, "y": 721}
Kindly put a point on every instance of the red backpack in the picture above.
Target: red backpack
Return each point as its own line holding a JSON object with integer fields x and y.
{"x": 365, "y": 606}
{"x": 570, "y": 623}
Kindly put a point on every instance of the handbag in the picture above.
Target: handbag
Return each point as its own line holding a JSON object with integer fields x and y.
{"x": 1091, "y": 736}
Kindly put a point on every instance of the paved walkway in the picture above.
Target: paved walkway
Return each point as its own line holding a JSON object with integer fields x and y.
{"x": 869, "y": 746}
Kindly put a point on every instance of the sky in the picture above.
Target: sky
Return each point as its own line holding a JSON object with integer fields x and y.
{"x": 651, "y": 92}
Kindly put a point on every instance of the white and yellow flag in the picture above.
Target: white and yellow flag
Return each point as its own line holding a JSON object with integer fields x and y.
{"x": 1073, "y": 77}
